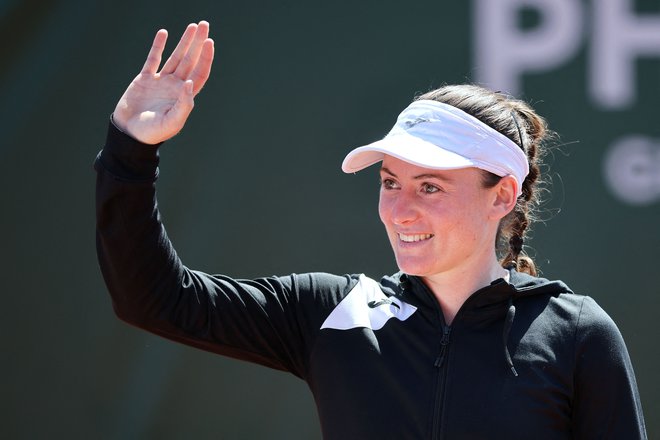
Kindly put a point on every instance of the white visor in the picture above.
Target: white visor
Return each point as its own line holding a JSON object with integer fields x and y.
{"x": 434, "y": 135}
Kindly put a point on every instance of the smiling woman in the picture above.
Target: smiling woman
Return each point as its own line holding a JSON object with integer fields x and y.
{"x": 442, "y": 227}
{"x": 460, "y": 343}
{"x": 482, "y": 188}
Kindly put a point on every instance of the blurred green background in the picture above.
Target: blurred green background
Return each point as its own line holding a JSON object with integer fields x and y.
{"x": 252, "y": 186}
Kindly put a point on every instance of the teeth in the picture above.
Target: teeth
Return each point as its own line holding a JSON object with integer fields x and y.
{"x": 414, "y": 238}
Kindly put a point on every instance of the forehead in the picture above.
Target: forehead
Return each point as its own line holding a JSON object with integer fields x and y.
{"x": 400, "y": 168}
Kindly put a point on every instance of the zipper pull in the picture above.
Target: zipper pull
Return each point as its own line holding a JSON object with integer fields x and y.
{"x": 441, "y": 357}
{"x": 444, "y": 342}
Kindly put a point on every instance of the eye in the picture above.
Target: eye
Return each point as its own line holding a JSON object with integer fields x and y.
{"x": 388, "y": 183}
{"x": 427, "y": 188}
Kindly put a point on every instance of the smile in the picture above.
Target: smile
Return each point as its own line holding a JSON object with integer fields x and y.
{"x": 414, "y": 238}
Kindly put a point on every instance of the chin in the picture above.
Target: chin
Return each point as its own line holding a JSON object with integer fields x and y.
{"x": 414, "y": 269}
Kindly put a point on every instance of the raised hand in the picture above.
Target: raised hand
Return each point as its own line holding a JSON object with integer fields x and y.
{"x": 156, "y": 105}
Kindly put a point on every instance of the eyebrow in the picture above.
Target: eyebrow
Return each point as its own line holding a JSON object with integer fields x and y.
{"x": 438, "y": 176}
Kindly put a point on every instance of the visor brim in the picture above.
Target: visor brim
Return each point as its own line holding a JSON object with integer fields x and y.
{"x": 408, "y": 148}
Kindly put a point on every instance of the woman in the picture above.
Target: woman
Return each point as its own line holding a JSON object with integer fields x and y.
{"x": 457, "y": 345}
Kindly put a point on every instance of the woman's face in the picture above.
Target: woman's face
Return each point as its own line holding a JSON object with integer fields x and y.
{"x": 437, "y": 221}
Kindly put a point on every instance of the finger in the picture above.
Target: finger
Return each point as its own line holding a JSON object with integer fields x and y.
{"x": 155, "y": 53}
{"x": 181, "y": 48}
{"x": 190, "y": 59}
{"x": 202, "y": 70}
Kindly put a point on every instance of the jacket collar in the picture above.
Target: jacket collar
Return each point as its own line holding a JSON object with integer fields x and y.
{"x": 413, "y": 290}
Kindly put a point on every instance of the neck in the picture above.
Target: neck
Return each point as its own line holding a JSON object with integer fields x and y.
{"x": 452, "y": 288}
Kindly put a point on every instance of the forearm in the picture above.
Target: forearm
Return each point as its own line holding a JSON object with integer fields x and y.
{"x": 137, "y": 260}
{"x": 152, "y": 289}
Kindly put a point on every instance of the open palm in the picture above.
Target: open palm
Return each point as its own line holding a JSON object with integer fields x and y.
{"x": 156, "y": 105}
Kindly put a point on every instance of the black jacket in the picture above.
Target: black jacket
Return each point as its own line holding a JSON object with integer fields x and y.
{"x": 522, "y": 359}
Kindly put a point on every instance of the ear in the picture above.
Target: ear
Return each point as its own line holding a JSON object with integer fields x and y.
{"x": 504, "y": 198}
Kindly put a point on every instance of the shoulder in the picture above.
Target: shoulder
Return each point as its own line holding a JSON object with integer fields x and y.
{"x": 596, "y": 329}
{"x": 321, "y": 283}
{"x": 320, "y": 289}
{"x": 554, "y": 303}
{"x": 334, "y": 288}
{"x": 593, "y": 328}
{"x": 549, "y": 299}
{"x": 593, "y": 331}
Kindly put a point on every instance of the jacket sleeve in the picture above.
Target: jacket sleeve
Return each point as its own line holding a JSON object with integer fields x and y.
{"x": 270, "y": 321}
{"x": 607, "y": 403}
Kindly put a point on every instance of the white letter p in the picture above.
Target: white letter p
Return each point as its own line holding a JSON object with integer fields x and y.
{"x": 503, "y": 51}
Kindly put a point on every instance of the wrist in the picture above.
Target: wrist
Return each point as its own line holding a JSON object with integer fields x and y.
{"x": 126, "y": 157}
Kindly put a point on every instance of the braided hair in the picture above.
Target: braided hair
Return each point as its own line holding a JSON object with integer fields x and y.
{"x": 519, "y": 122}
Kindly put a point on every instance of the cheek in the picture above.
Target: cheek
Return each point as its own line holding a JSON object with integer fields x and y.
{"x": 473, "y": 220}
{"x": 382, "y": 209}
{"x": 459, "y": 218}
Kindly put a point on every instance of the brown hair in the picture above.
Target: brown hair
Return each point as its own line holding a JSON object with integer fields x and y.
{"x": 519, "y": 122}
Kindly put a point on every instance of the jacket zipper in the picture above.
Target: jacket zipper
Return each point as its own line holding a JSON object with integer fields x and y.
{"x": 442, "y": 377}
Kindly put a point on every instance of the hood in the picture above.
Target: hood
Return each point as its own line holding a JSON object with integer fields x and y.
{"x": 525, "y": 284}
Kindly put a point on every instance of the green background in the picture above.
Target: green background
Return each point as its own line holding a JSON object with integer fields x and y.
{"x": 252, "y": 187}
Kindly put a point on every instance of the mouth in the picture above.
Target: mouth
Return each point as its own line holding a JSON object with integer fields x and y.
{"x": 414, "y": 238}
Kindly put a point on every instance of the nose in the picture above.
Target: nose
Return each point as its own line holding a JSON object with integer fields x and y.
{"x": 401, "y": 208}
